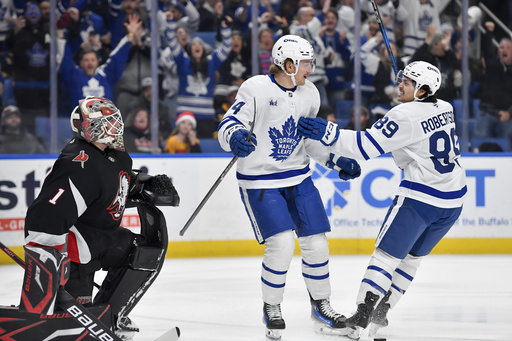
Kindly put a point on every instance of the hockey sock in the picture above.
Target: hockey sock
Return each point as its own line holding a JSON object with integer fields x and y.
{"x": 402, "y": 277}
{"x": 315, "y": 265}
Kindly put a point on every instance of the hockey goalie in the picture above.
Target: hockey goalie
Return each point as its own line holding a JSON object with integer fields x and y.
{"x": 72, "y": 230}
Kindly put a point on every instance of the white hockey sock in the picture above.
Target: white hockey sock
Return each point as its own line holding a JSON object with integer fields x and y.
{"x": 276, "y": 261}
{"x": 402, "y": 278}
{"x": 378, "y": 275}
{"x": 315, "y": 265}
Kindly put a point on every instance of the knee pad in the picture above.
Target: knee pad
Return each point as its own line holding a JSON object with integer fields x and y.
{"x": 315, "y": 248}
{"x": 279, "y": 250}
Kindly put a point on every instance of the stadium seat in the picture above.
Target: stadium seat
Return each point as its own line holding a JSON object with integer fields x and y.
{"x": 64, "y": 132}
{"x": 210, "y": 146}
{"x": 504, "y": 143}
{"x": 343, "y": 109}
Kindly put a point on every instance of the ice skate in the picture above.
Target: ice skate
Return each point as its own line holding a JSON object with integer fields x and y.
{"x": 327, "y": 320}
{"x": 126, "y": 329}
{"x": 379, "y": 319}
{"x": 273, "y": 321}
{"x": 361, "y": 318}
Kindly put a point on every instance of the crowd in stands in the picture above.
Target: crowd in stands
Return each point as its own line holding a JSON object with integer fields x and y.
{"x": 204, "y": 54}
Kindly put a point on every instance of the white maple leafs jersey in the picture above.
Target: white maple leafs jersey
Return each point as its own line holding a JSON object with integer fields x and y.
{"x": 280, "y": 159}
{"x": 421, "y": 137}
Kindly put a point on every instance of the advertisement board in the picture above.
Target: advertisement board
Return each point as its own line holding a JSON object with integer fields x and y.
{"x": 356, "y": 208}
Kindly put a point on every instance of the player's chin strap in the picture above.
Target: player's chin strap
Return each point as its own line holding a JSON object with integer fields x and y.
{"x": 292, "y": 76}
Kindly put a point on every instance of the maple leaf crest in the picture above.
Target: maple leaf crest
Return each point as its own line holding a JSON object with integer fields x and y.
{"x": 284, "y": 141}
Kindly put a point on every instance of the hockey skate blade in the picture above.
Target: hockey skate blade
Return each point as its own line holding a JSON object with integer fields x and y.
{"x": 273, "y": 334}
{"x": 172, "y": 334}
{"x": 323, "y": 329}
{"x": 355, "y": 332}
{"x": 373, "y": 329}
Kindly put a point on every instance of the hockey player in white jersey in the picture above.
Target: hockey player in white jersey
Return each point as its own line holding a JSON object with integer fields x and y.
{"x": 420, "y": 135}
{"x": 274, "y": 176}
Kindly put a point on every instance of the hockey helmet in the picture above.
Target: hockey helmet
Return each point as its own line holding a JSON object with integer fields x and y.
{"x": 295, "y": 48}
{"x": 422, "y": 73}
{"x": 97, "y": 119}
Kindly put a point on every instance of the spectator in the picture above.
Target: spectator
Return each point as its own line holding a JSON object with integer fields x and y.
{"x": 265, "y": 44}
{"x": 243, "y": 14}
{"x": 14, "y": 139}
{"x": 89, "y": 79}
{"x": 437, "y": 51}
{"x": 364, "y": 114}
{"x": 390, "y": 11}
{"x": 137, "y": 135}
{"x": 211, "y": 13}
{"x": 338, "y": 57}
{"x": 183, "y": 138}
{"x": 184, "y": 13}
{"x": 137, "y": 67}
{"x": 308, "y": 26}
{"x": 236, "y": 68}
{"x": 346, "y": 22}
{"x": 8, "y": 19}
{"x": 197, "y": 74}
{"x": 496, "y": 88}
{"x": 386, "y": 91}
{"x": 31, "y": 65}
{"x": 119, "y": 11}
{"x": 143, "y": 100}
{"x": 420, "y": 14}
{"x": 327, "y": 113}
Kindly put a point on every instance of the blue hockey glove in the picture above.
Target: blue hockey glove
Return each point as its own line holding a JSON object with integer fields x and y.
{"x": 239, "y": 144}
{"x": 348, "y": 168}
{"x": 318, "y": 129}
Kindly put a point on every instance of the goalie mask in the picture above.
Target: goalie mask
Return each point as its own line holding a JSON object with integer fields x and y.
{"x": 97, "y": 119}
{"x": 422, "y": 73}
{"x": 294, "y": 48}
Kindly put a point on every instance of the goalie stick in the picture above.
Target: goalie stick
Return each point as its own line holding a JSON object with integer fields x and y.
{"x": 97, "y": 329}
{"x": 384, "y": 36}
{"x": 219, "y": 180}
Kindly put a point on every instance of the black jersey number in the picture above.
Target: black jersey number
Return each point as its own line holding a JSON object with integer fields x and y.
{"x": 440, "y": 147}
{"x": 389, "y": 128}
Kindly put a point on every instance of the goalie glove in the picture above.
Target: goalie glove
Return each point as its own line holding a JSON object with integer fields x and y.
{"x": 348, "y": 169}
{"x": 154, "y": 190}
{"x": 318, "y": 129}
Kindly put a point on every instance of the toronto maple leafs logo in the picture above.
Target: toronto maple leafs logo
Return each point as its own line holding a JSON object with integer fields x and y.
{"x": 284, "y": 141}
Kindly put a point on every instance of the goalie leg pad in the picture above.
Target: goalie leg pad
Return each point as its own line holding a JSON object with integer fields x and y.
{"x": 46, "y": 269}
{"x": 124, "y": 286}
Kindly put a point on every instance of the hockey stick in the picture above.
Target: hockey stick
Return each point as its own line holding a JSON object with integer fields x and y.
{"x": 96, "y": 328}
{"x": 219, "y": 180}
{"x": 385, "y": 36}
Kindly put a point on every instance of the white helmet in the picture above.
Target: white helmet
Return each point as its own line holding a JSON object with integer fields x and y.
{"x": 295, "y": 48}
{"x": 422, "y": 73}
{"x": 97, "y": 119}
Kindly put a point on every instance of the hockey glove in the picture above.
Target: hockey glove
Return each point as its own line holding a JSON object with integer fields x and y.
{"x": 348, "y": 168}
{"x": 239, "y": 144}
{"x": 318, "y": 129}
{"x": 154, "y": 190}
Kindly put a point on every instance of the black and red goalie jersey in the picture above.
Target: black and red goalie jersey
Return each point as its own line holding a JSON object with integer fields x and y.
{"x": 81, "y": 202}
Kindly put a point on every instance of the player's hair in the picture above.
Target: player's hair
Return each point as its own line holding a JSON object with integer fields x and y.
{"x": 427, "y": 93}
{"x": 274, "y": 69}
